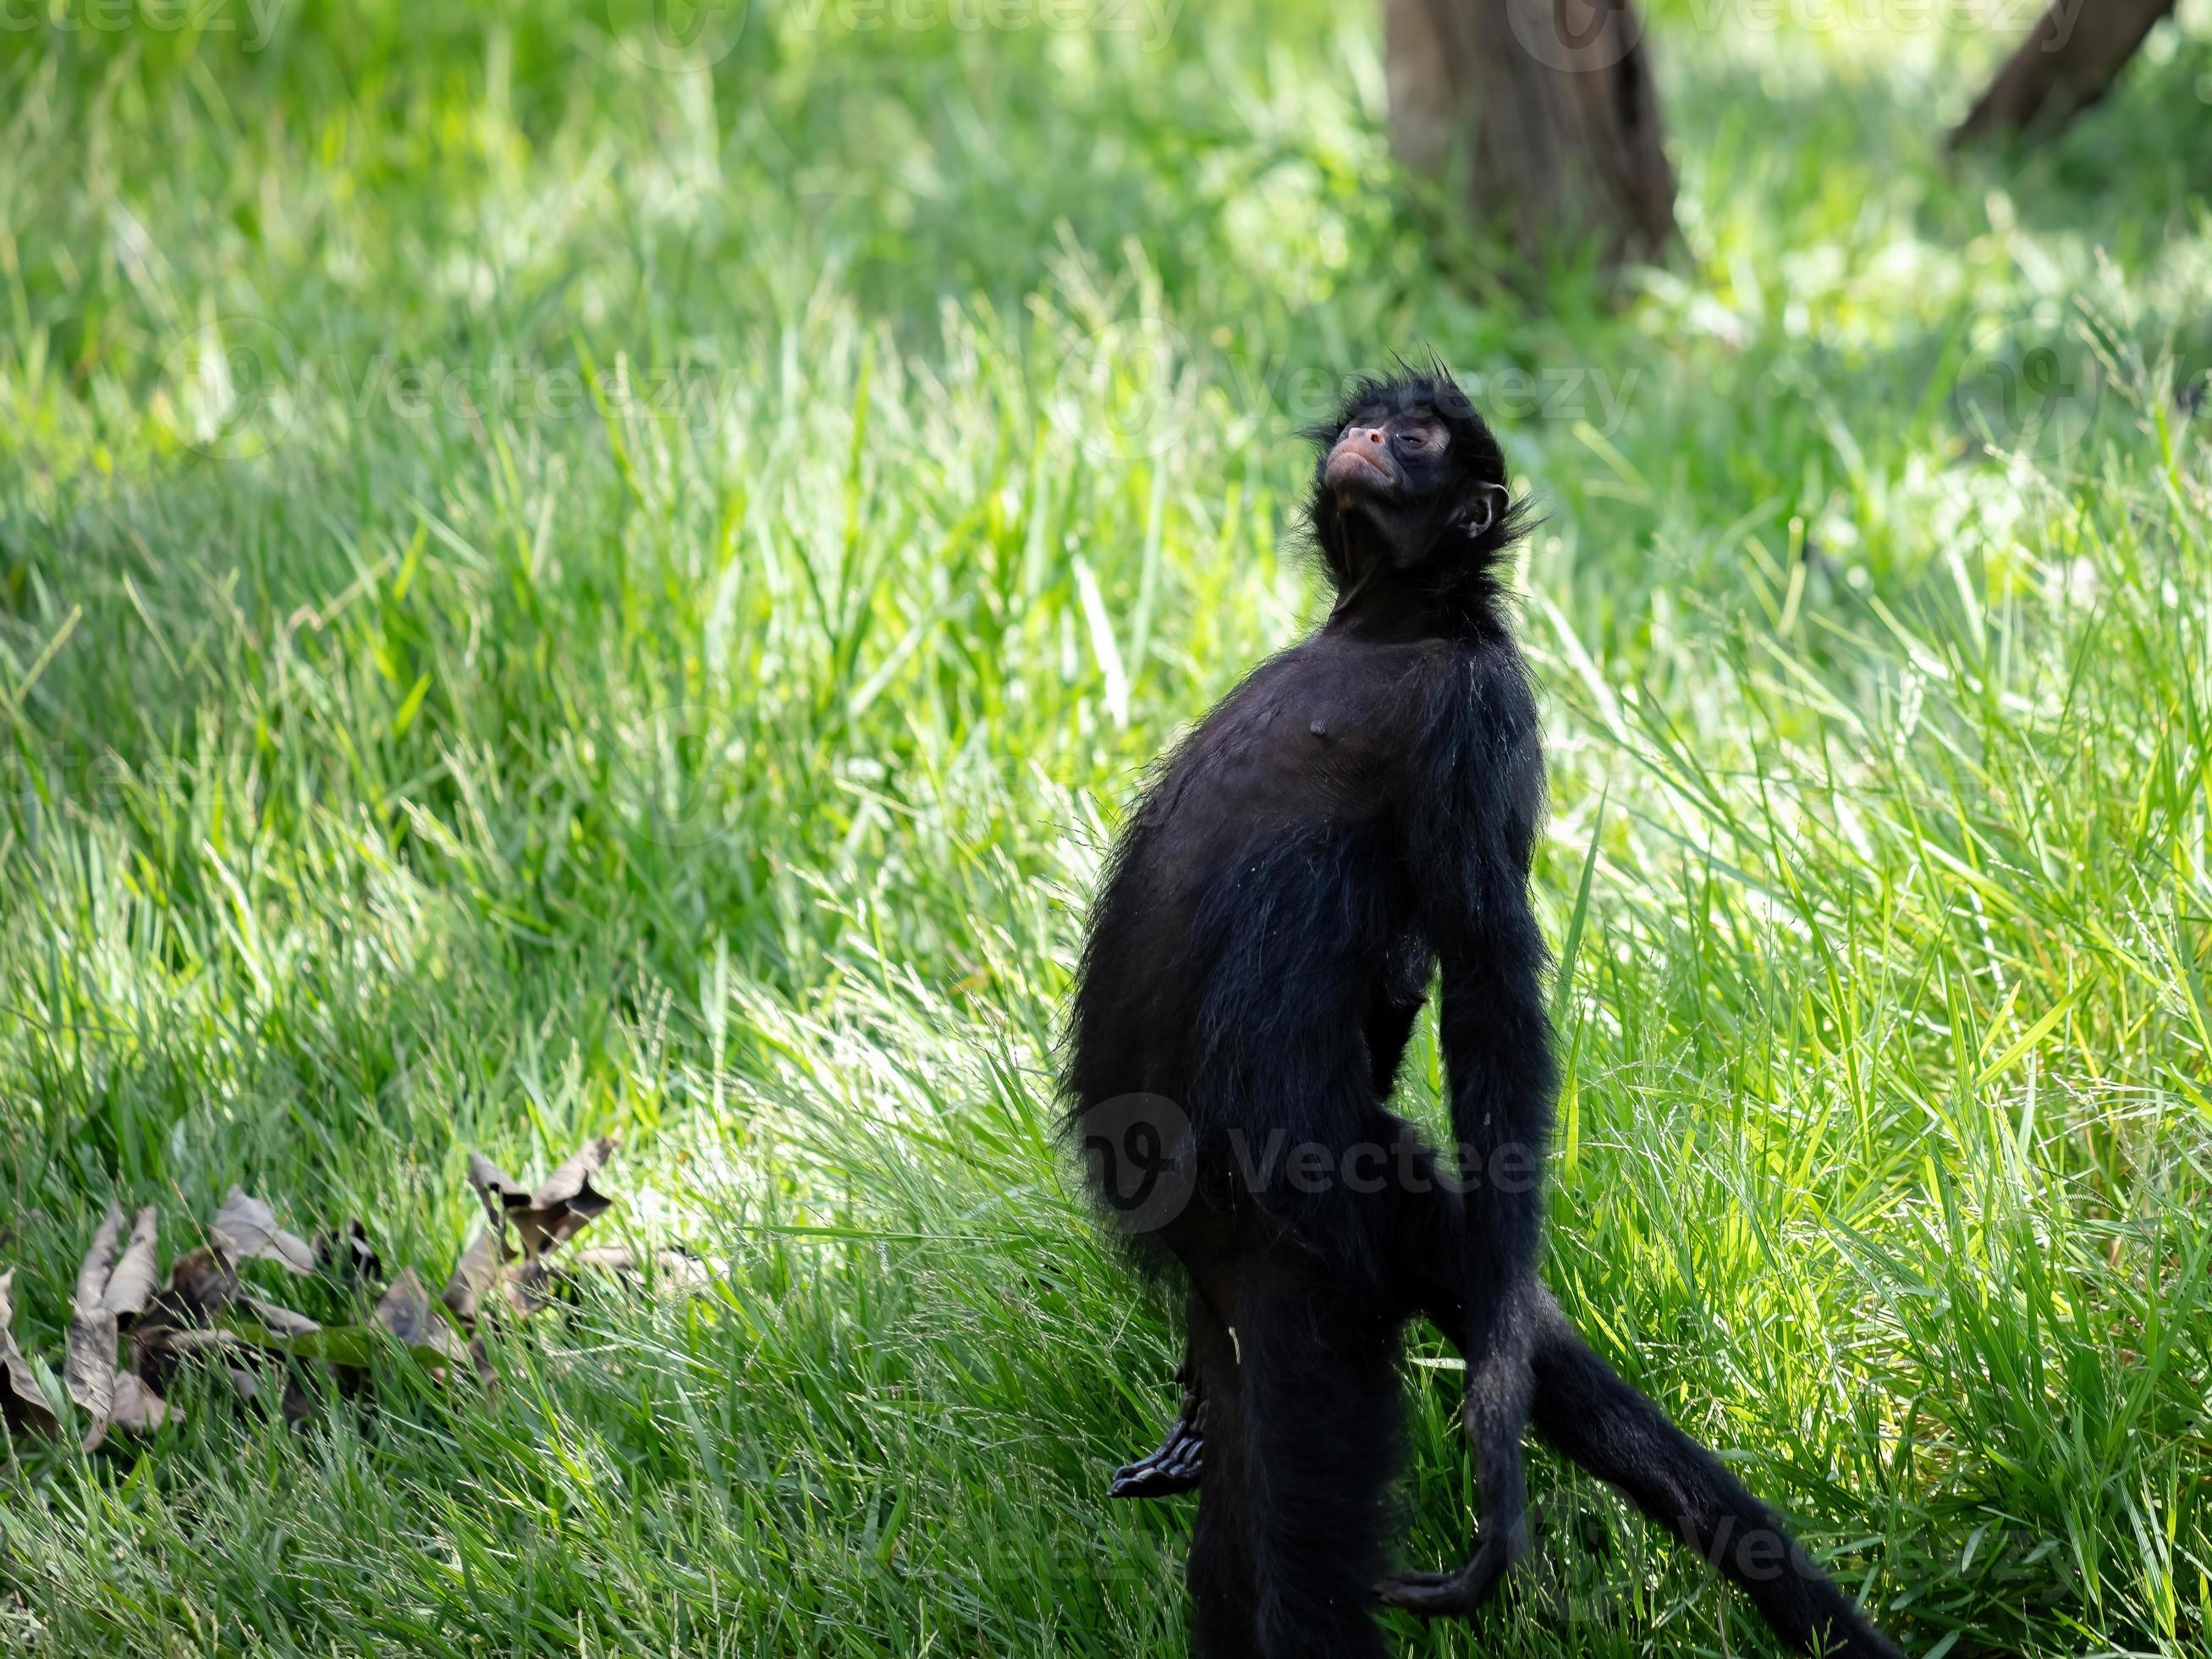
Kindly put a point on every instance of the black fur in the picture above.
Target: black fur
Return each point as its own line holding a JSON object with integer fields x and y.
{"x": 1357, "y": 816}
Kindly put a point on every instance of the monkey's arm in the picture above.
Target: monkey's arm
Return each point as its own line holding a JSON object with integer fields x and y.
{"x": 1471, "y": 798}
{"x": 1496, "y": 1044}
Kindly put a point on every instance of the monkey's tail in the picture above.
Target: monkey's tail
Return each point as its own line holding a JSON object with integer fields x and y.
{"x": 1585, "y": 1409}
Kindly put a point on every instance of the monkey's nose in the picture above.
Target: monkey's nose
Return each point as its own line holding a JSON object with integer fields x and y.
{"x": 1360, "y": 458}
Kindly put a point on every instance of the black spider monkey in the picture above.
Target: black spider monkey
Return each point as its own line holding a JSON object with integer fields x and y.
{"x": 1359, "y": 814}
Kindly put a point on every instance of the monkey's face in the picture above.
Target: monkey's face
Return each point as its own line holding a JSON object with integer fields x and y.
{"x": 1409, "y": 465}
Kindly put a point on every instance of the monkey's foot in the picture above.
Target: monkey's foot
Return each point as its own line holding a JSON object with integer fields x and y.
{"x": 1177, "y": 1467}
{"x": 1448, "y": 1594}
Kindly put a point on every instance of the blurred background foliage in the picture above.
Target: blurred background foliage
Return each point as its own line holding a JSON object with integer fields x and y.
{"x": 554, "y": 580}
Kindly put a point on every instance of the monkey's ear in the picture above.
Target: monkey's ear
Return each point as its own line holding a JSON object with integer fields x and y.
{"x": 1484, "y": 508}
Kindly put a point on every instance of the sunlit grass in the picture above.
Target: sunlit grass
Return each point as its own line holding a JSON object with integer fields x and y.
{"x": 542, "y": 595}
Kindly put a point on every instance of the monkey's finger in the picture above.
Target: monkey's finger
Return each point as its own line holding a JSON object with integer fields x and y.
{"x": 1431, "y": 1594}
{"x": 1187, "y": 1468}
{"x": 1151, "y": 1480}
{"x": 1176, "y": 1467}
{"x": 1173, "y": 1458}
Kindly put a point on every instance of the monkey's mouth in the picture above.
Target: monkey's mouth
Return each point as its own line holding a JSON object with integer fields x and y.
{"x": 1358, "y": 468}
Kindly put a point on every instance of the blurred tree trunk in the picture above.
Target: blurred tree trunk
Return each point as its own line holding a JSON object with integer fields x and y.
{"x": 1544, "y": 112}
{"x": 2067, "y": 63}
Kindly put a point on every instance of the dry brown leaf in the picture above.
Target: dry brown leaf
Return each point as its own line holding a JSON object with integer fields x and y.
{"x": 138, "y": 1409}
{"x": 89, "y": 1369}
{"x": 131, "y": 1286}
{"x": 481, "y": 1268}
{"x": 404, "y": 1309}
{"x": 118, "y": 1285}
{"x": 280, "y": 1321}
{"x": 92, "y": 1274}
{"x": 562, "y": 1205}
{"x": 566, "y": 1202}
{"x": 574, "y": 1177}
{"x": 405, "y": 1312}
{"x": 244, "y": 1229}
{"x": 499, "y": 1191}
{"x": 88, "y": 1360}
{"x": 23, "y": 1404}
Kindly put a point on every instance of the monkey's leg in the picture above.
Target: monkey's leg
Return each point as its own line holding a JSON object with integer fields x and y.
{"x": 1315, "y": 1405}
{"x": 1209, "y": 1249}
{"x": 1223, "y": 1586}
{"x": 1414, "y": 1244}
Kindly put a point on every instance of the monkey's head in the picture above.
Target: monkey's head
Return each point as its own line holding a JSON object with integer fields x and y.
{"x": 1409, "y": 479}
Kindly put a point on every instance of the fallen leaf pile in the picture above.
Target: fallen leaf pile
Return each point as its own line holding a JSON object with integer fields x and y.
{"x": 202, "y": 1312}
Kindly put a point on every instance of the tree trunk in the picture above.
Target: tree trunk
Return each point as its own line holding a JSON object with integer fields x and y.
{"x": 1542, "y": 111}
{"x": 2066, "y": 63}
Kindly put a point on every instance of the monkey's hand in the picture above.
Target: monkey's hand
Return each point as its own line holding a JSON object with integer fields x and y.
{"x": 1497, "y": 1412}
{"x": 1177, "y": 1466}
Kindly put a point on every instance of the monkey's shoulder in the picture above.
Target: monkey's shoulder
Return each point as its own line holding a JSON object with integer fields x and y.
{"x": 1386, "y": 700}
{"x": 1321, "y": 728}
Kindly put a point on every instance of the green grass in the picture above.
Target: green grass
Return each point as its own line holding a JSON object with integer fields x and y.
{"x": 658, "y": 626}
